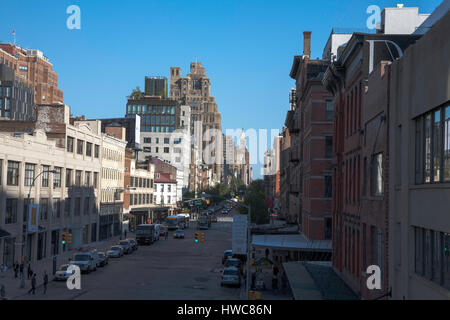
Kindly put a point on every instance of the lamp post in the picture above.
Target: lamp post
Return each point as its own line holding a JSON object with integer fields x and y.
{"x": 24, "y": 244}
{"x": 117, "y": 192}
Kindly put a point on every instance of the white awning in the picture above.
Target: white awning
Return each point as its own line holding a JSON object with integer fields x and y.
{"x": 291, "y": 242}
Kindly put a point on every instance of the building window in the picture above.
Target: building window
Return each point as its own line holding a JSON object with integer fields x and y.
{"x": 70, "y": 142}
{"x": 11, "y": 211}
{"x": 147, "y": 140}
{"x": 68, "y": 178}
{"x": 13, "y": 173}
{"x": 95, "y": 184}
{"x": 43, "y": 208}
{"x": 166, "y": 149}
{"x": 432, "y": 256}
{"x": 87, "y": 203}
{"x": 377, "y": 175}
{"x": 80, "y": 146}
{"x": 67, "y": 206}
{"x": 78, "y": 178}
{"x": 328, "y": 187}
{"x": 87, "y": 179}
{"x": 45, "y": 176}
{"x": 56, "y": 208}
{"x": 433, "y": 146}
{"x": 328, "y": 147}
{"x": 57, "y": 177}
{"x": 96, "y": 151}
{"x": 88, "y": 149}
{"x": 166, "y": 140}
{"x": 329, "y": 110}
{"x": 29, "y": 174}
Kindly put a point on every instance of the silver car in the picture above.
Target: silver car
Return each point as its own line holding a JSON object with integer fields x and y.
{"x": 115, "y": 252}
{"x": 230, "y": 276}
{"x": 62, "y": 274}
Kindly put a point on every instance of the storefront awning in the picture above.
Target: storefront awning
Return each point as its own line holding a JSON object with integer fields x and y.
{"x": 310, "y": 280}
{"x": 297, "y": 242}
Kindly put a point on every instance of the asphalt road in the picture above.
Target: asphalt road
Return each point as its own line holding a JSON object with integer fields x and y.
{"x": 173, "y": 269}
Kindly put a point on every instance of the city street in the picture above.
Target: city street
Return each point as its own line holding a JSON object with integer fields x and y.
{"x": 177, "y": 269}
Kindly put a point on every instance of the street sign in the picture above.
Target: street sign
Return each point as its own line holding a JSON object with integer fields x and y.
{"x": 239, "y": 234}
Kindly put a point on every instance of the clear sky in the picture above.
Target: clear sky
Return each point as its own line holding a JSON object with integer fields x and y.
{"x": 246, "y": 46}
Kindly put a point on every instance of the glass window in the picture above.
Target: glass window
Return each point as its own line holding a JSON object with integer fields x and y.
{"x": 57, "y": 178}
{"x": 447, "y": 144}
{"x": 78, "y": 178}
{"x": 437, "y": 141}
{"x": 11, "y": 211}
{"x": 95, "y": 184}
{"x": 166, "y": 140}
{"x": 329, "y": 111}
{"x": 43, "y": 208}
{"x": 428, "y": 148}
{"x": 88, "y": 149}
{"x": 13, "y": 173}
{"x": 96, "y": 151}
{"x": 377, "y": 174}
{"x": 328, "y": 147}
{"x": 328, "y": 187}
{"x": 29, "y": 174}
{"x": 87, "y": 179}
{"x": 68, "y": 178}
{"x": 67, "y": 206}
{"x": 70, "y": 142}
{"x": 45, "y": 176}
{"x": 80, "y": 146}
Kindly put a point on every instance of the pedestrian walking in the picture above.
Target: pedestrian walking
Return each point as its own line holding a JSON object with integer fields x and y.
{"x": 33, "y": 284}
{"x": 21, "y": 269}
{"x": 16, "y": 270}
{"x": 29, "y": 272}
{"x": 45, "y": 281}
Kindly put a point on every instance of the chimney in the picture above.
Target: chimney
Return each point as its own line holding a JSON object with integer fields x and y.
{"x": 307, "y": 44}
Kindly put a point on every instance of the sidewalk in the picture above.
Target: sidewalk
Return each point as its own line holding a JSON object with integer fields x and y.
{"x": 12, "y": 285}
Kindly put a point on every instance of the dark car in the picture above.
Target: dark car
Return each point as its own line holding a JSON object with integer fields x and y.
{"x": 232, "y": 262}
{"x": 103, "y": 258}
{"x": 179, "y": 234}
{"x": 133, "y": 244}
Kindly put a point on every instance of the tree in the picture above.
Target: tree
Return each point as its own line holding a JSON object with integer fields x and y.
{"x": 136, "y": 93}
{"x": 254, "y": 196}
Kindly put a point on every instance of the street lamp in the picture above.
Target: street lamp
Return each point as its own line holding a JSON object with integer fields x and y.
{"x": 24, "y": 244}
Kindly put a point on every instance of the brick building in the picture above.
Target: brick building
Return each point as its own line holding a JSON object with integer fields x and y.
{"x": 34, "y": 69}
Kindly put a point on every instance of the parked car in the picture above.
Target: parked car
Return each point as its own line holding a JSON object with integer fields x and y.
{"x": 213, "y": 219}
{"x": 126, "y": 246}
{"x": 93, "y": 251}
{"x": 85, "y": 261}
{"x": 232, "y": 262}
{"x": 179, "y": 234}
{"x": 230, "y": 276}
{"x": 227, "y": 254}
{"x": 115, "y": 252}
{"x": 133, "y": 244}
{"x": 103, "y": 259}
{"x": 62, "y": 274}
{"x": 224, "y": 211}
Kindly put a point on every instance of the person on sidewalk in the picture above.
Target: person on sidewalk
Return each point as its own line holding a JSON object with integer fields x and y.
{"x": 33, "y": 284}
{"x": 45, "y": 281}
{"x": 30, "y": 273}
{"x": 21, "y": 269}
{"x": 16, "y": 270}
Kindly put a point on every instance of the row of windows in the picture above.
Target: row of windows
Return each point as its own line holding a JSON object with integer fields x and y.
{"x": 51, "y": 208}
{"x": 146, "y": 109}
{"x": 112, "y": 155}
{"x": 137, "y": 182}
{"x": 353, "y": 111}
{"x": 165, "y": 150}
{"x": 433, "y": 146}
{"x": 80, "y": 147}
{"x": 161, "y": 129}
{"x": 13, "y": 176}
{"x": 160, "y": 187}
{"x": 432, "y": 256}
{"x": 166, "y": 140}
{"x": 138, "y": 199}
{"x": 112, "y": 174}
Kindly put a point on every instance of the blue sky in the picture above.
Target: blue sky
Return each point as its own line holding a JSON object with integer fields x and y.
{"x": 246, "y": 46}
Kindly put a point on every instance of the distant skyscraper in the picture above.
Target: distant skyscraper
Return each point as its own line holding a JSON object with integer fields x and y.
{"x": 156, "y": 86}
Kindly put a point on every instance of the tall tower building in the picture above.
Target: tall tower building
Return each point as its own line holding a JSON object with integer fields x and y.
{"x": 194, "y": 90}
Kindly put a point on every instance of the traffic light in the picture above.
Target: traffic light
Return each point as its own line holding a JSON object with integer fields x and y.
{"x": 64, "y": 238}
{"x": 202, "y": 236}
{"x": 197, "y": 236}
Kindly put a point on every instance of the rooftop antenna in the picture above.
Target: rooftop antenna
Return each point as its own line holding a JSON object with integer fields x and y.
{"x": 14, "y": 35}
